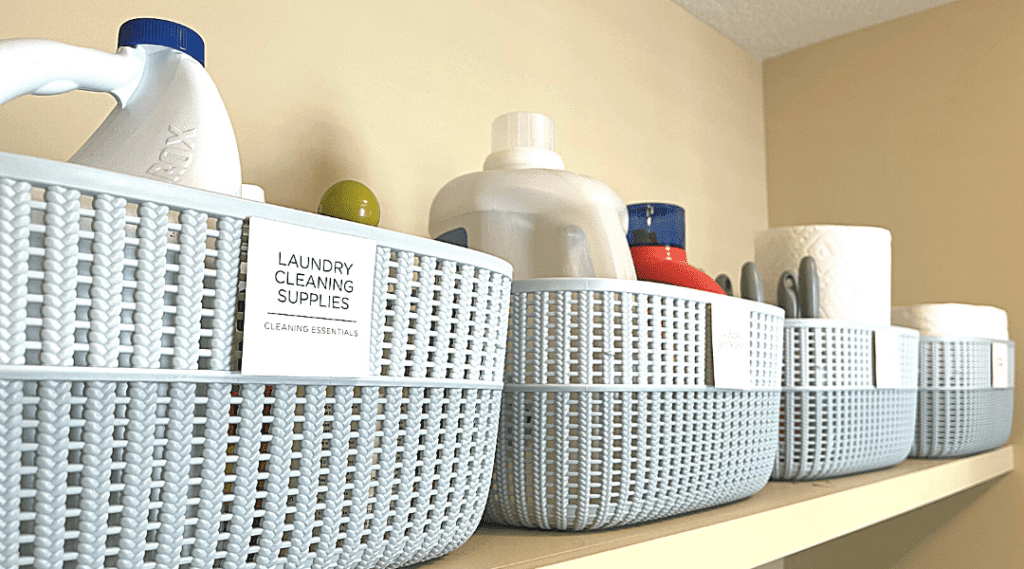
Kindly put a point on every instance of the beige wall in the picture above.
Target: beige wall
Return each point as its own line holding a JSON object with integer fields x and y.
{"x": 917, "y": 125}
{"x": 400, "y": 95}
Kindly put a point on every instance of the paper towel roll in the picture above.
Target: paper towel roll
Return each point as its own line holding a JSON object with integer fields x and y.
{"x": 962, "y": 320}
{"x": 854, "y": 267}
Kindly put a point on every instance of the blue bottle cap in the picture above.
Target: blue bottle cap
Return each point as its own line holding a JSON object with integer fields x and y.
{"x": 161, "y": 32}
{"x": 657, "y": 224}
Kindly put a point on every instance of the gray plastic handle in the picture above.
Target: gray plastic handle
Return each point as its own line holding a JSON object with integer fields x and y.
{"x": 786, "y": 294}
{"x": 751, "y": 285}
{"x": 725, "y": 282}
{"x": 809, "y": 294}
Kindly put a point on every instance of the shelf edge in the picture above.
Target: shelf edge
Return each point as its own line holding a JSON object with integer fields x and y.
{"x": 781, "y": 531}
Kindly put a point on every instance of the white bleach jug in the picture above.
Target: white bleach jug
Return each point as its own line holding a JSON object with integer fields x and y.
{"x": 170, "y": 123}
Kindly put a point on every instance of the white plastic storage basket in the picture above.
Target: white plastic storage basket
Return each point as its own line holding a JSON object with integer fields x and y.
{"x": 959, "y": 411}
{"x": 607, "y": 418}
{"x": 129, "y": 439}
{"x": 834, "y": 420}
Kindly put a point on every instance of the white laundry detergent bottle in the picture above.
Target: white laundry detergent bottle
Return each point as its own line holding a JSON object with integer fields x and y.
{"x": 169, "y": 124}
{"x": 525, "y": 208}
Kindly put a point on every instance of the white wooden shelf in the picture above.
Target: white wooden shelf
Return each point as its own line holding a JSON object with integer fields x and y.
{"x": 782, "y": 519}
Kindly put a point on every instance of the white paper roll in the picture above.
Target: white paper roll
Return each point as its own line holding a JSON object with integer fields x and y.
{"x": 854, "y": 267}
{"x": 961, "y": 320}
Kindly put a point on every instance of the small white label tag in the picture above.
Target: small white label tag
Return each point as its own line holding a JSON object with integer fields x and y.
{"x": 1000, "y": 365}
{"x": 307, "y": 301}
{"x": 730, "y": 346}
{"x": 887, "y": 358}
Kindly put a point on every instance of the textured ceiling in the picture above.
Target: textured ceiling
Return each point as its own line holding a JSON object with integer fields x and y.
{"x": 768, "y": 28}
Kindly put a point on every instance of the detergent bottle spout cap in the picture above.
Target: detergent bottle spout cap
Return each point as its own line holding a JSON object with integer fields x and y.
{"x": 523, "y": 140}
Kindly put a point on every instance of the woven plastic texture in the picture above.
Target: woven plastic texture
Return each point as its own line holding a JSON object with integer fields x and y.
{"x": 959, "y": 412}
{"x": 186, "y": 474}
{"x": 833, "y": 421}
{"x": 607, "y": 337}
{"x": 606, "y": 420}
{"x": 177, "y": 460}
{"x": 97, "y": 279}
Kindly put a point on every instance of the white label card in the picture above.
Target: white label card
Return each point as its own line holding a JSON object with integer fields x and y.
{"x": 1000, "y": 365}
{"x": 730, "y": 345}
{"x": 887, "y": 358}
{"x": 308, "y": 301}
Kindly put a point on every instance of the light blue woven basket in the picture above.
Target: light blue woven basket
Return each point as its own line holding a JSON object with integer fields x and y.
{"x": 128, "y": 439}
{"x": 607, "y": 418}
{"x": 833, "y": 419}
{"x": 959, "y": 412}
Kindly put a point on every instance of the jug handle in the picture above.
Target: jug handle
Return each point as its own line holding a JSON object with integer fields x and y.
{"x": 45, "y": 67}
{"x": 600, "y": 225}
